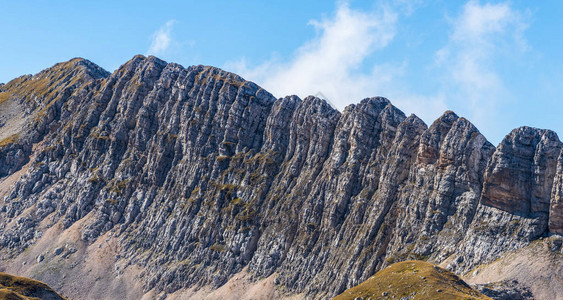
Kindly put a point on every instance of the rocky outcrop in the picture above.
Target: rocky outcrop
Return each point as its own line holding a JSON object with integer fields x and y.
{"x": 519, "y": 178}
{"x": 443, "y": 191}
{"x": 506, "y": 290}
{"x": 198, "y": 174}
{"x": 556, "y": 208}
{"x": 515, "y": 203}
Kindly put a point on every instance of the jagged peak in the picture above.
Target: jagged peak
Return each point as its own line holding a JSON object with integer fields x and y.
{"x": 320, "y": 104}
{"x": 375, "y": 100}
{"x": 205, "y": 71}
{"x": 448, "y": 117}
{"x": 288, "y": 102}
{"x": 530, "y": 135}
{"x": 69, "y": 74}
{"x": 293, "y": 98}
{"x": 89, "y": 65}
{"x": 445, "y": 121}
{"x": 465, "y": 123}
{"x": 374, "y": 104}
{"x": 416, "y": 121}
{"x": 314, "y": 99}
{"x": 77, "y": 65}
{"x": 392, "y": 110}
{"x": 531, "y": 130}
{"x": 139, "y": 62}
{"x": 141, "y": 58}
{"x": 134, "y": 61}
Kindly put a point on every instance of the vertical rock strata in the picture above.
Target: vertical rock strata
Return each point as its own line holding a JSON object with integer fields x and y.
{"x": 200, "y": 174}
{"x": 517, "y": 192}
{"x": 556, "y": 208}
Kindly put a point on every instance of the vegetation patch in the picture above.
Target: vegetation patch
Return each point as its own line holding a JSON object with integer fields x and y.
{"x": 237, "y": 201}
{"x": 246, "y": 215}
{"x": 94, "y": 179}
{"x": 412, "y": 280}
{"x": 119, "y": 187}
{"x": 263, "y": 158}
{"x": 217, "y": 247}
{"x": 4, "y": 96}
{"x": 12, "y": 139}
{"x": 15, "y": 287}
{"x": 222, "y": 158}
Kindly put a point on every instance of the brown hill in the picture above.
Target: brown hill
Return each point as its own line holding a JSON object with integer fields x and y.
{"x": 413, "y": 280}
{"x": 16, "y": 288}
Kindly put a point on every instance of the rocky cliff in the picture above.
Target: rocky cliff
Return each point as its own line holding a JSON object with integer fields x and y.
{"x": 194, "y": 174}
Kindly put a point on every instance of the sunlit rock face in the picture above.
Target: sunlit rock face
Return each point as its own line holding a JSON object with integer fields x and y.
{"x": 197, "y": 174}
{"x": 520, "y": 175}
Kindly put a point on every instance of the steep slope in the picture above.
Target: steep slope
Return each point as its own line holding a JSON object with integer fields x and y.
{"x": 537, "y": 267}
{"x": 160, "y": 178}
{"x": 515, "y": 203}
{"x": 15, "y": 288}
{"x": 412, "y": 280}
{"x": 29, "y": 104}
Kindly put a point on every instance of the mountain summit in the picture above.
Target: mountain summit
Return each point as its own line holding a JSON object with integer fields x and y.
{"x": 158, "y": 180}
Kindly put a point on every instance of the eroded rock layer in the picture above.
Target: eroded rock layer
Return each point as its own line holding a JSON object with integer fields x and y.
{"x": 199, "y": 174}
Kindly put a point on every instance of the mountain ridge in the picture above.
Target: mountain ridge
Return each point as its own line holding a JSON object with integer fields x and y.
{"x": 198, "y": 173}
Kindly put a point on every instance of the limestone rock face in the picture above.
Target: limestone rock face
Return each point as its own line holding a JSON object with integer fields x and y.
{"x": 515, "y": 203}
{"x": 556, "y": 208}
{"x": 520, "y": 176}
{"x": 198, "y": 174}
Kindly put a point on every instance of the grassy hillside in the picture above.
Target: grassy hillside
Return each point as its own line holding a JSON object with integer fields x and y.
{"x": 16, "y": 288}
{"x": 413, "y": 279}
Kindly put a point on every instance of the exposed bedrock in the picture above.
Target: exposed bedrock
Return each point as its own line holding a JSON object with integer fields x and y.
{"x": 199, "y": 173}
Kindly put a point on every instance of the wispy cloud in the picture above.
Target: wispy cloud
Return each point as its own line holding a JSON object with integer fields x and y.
{"x": 330, "y": 62}
{"x": 161, "y": 39}
{"x": 333, "y": 64}
{"x": 480, "y": 35}
{"x": 464, "y": 70}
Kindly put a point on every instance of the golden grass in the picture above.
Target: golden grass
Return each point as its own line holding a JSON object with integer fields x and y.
{"x": 418, "y": 279}
{"x": 15, "y": 287}
{"x": 4, "y": 96}
{"x": 46, "y": 84}
{"x": 9, "y": 140}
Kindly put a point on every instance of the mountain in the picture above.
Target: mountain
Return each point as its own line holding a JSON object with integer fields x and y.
{"x": 159, "y": 180}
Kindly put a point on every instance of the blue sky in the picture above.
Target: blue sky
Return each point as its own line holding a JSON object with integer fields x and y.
{"x": 497, "y": 63}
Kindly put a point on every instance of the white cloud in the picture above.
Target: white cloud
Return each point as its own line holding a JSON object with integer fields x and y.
{"x": 464, "y": 70}
{"x": 480, "y": 36}
{"x": 330, "y": 65}
{"x": 161, "y": 39}
{"x": 331, "y": 62}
